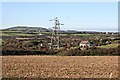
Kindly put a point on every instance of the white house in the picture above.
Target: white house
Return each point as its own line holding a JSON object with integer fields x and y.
{"x": 85, "y": 44}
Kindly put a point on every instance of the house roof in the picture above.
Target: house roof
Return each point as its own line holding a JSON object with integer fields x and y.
{"x": 84, "y": 42}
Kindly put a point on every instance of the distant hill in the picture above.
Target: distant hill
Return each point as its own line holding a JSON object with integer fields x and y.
{"x": 27, "y": 29}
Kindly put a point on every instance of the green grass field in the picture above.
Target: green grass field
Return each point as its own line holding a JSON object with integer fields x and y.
{"x": 0, "y": 42}
{"x": 15, "y": 33}
{"x": 81, "y": 35}
{"x": 108, "y": 46}
{"x": 11, "y": 31}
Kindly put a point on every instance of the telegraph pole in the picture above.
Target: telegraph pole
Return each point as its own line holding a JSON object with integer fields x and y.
{"x": 55, "y": 40}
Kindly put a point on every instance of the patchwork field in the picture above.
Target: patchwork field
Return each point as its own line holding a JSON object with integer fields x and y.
{"x": 60, "y": 66}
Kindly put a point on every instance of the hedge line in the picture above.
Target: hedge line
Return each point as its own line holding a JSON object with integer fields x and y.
{"x": 91, "y": 52}
{"x": 71, "y": 52}
{"x": 22, "y": 52}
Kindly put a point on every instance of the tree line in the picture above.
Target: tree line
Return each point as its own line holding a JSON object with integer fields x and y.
{"x": 71, "y": 52}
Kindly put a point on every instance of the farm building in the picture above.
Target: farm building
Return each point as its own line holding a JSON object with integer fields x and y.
{"x": 85, "y": 44}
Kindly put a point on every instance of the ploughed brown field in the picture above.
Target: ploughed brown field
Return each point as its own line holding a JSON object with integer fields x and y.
{"x": 60, "y": 66}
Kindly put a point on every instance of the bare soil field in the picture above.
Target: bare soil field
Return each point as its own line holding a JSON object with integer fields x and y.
{"x": 60, "y": 66}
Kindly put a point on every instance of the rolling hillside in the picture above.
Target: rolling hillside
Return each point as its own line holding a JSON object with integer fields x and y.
{"x": 26, "y": 29}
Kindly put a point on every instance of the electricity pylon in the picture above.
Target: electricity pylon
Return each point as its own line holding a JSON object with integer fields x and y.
{"x": 55, "y": 40}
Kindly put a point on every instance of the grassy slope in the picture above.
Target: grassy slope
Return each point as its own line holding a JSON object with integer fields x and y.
{"x": 15, "y": 33}
{"x": 108, "y": 46}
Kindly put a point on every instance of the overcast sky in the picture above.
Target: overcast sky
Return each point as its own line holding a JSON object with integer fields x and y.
{"x": 93, "y": 16}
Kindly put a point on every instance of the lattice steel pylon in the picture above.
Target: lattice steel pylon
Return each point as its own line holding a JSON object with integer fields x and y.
{"x": 55, "y": 40}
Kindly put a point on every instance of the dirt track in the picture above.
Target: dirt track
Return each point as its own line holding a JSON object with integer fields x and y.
{"x": 60, "y": 66}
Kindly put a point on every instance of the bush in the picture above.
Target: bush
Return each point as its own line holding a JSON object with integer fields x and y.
{"x": 91, "y": 52}
{"x": 72, "y": 52}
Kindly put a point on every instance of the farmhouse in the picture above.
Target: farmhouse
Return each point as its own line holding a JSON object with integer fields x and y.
{"x": 85, "y": 44}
